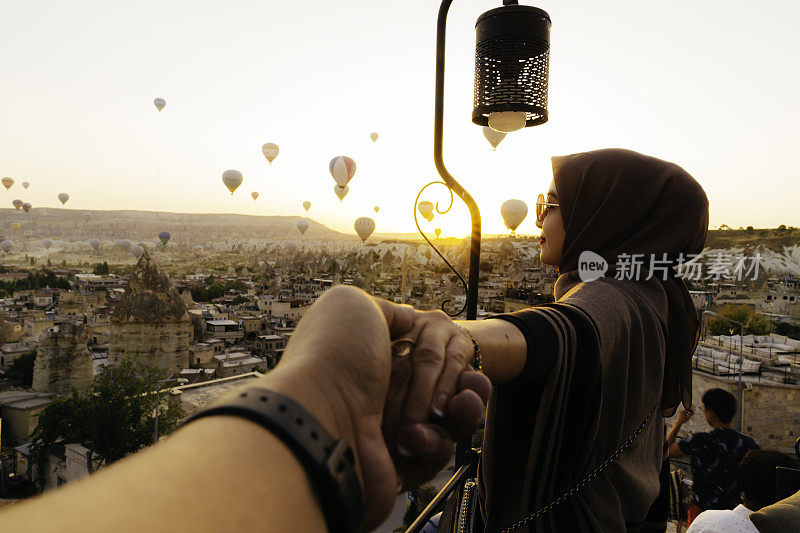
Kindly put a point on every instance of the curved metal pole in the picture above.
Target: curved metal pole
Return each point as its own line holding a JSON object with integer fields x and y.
{"x": 435, "y": 249}
{"x": 438, "y": 129}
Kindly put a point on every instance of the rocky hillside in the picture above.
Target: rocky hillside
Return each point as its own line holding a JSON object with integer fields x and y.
{"x": 186, "y": 228}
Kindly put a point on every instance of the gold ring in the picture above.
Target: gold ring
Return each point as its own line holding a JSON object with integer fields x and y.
{"x": 403, "y": 347}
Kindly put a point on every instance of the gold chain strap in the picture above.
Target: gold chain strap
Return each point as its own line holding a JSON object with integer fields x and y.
{"x": 582, "y": 483}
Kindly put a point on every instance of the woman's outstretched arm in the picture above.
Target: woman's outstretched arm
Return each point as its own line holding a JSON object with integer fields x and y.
{"x": 503, "y": 347}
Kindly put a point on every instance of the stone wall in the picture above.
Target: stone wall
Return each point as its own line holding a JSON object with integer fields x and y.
{"x": 771, "y": 410}
{"x": 63, "y": 361}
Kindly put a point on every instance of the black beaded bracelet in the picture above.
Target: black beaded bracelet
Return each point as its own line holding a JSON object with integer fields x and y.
{"x": 329, "y": 462}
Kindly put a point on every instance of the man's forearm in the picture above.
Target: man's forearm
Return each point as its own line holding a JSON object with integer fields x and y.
{"x": 216, "y": 474}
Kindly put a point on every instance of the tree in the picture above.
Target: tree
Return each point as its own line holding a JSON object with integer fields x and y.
{"x": 101, "y": 269}
{"x": 740, "y": 313}
{"x": 749, "y": 229}
{"x": 36, "y": 280}
{"x": 114, "y": 417}
{"x": 790, "y": 330}
{"x": 757, "y": 324}
{"x": 21, "y": 369}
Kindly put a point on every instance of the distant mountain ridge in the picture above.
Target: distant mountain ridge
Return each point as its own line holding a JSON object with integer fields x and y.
{"x": 72, "y": 224}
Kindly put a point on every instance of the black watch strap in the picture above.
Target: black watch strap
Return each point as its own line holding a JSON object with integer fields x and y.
{"x": 329, "y": 462}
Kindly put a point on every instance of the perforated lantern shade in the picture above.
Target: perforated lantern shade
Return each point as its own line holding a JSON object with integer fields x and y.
{"x": 512, "y": 63}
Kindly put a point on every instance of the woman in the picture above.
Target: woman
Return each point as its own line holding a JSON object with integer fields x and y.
{"x": 576, "y": 379}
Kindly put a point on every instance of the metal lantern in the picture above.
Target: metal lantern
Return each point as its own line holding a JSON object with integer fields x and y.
{"x": 511, "y": 67}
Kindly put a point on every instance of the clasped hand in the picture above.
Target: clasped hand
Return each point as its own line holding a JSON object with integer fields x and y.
{"x": 401, "y": 414}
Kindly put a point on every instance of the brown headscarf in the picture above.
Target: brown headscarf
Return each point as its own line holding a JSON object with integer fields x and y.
{"x": 616, "y": 202}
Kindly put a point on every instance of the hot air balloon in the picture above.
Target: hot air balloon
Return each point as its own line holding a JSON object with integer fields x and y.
{"x": 17, "y": 204}
{"x": 6, "y": 245}
{"x": 232, "y": 179}
{"x": 7, "y": 182}
{"x": 15, "y": 226}
{"x": 125, "y": 244}
{"x": 373, "y": 136}
{"x": 302, "y": 225}
{"x": 426, "y": 210}
{"x": 364, "y": 226}
{"x": 26, "y": 207}
{"x": 270, "y": 151}
{"x": 95, "y": 243}
{"x": 47, "y": 243}
{"x": 494, "y": 137}
{"x": 438, "y": 232}
{"x": 306, "y": 205}
{"x": 164, "y": 237}
{"x": 25, "y": 184}
{"x": 63, "y": 197}
{"x": 514, "y": 212}
{"x": 341, "y": 192}
{"x": 197, "y": 250}
{"x": 160, "y": 103}
{"x": 254, "y": 194}
{"x": 137, "y": 251}
{"x": 377, "y": 208}
{"x": 342, "y": 169}
{"x": 87, "y": 216}
{"x": 291, "y": 247}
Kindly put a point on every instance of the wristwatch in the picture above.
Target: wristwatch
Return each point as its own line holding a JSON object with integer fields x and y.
{"x": 329, "y": 462}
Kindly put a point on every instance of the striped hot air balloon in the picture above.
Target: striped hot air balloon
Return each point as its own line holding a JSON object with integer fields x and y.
{"x": 342, "y": 169}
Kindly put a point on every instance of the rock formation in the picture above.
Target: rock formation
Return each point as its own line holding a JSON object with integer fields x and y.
{"x": 188, "y": 301}
{"x": 62, "y": 360}
{"x": 150, "y": 320}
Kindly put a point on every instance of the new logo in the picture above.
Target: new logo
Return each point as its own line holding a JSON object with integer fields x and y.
{"x": 591, "y": 266}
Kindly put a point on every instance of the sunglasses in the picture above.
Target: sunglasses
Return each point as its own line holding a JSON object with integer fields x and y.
{"x": 542, "y": 206}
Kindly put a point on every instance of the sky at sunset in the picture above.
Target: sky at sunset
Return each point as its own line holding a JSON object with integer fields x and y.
{"x": 710, "y": 85}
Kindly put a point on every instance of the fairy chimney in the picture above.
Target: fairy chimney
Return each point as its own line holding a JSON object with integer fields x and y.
{"x": 63, "y": 361}
{"x": 150, "y": 320}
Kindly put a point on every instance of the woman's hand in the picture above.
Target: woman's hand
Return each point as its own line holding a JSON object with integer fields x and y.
{"x": 434, "y": 396}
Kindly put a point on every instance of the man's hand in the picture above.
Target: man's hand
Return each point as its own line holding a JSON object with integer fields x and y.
{"x": 339, "y": 365}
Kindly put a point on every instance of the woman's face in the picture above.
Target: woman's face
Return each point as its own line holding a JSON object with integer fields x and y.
{"x": 552, "y": 237}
